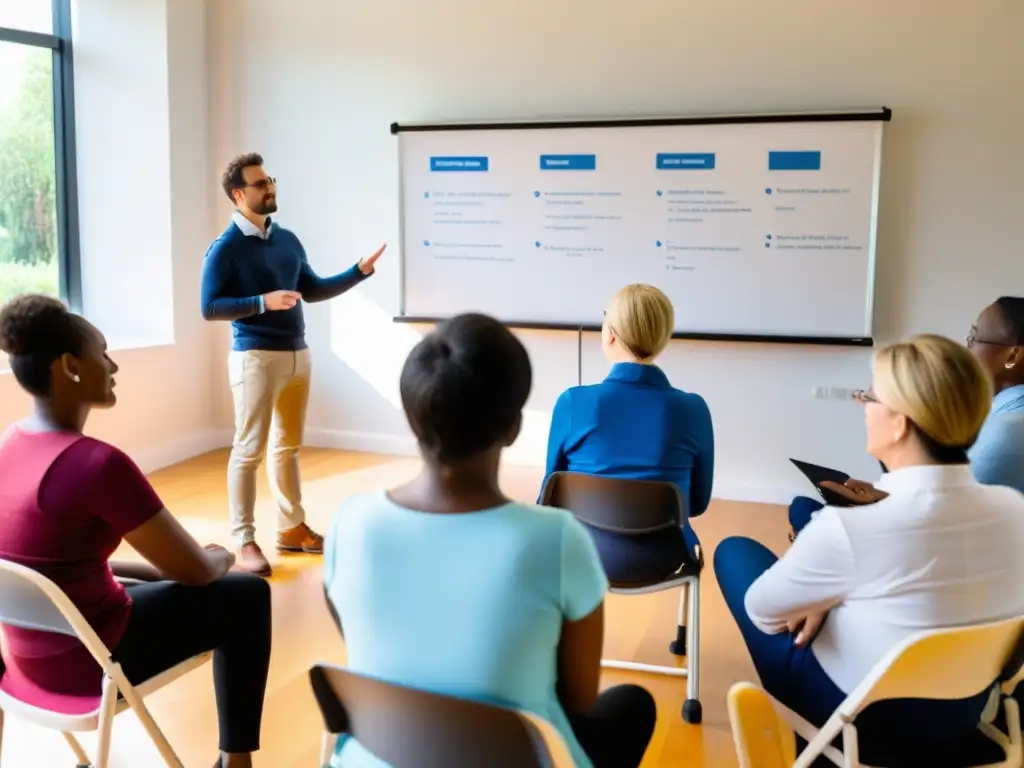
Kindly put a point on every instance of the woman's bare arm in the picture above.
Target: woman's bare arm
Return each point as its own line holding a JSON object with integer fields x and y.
{"x": 579, "y": 661}
{"x": 334, "y": 613}
{"x": 175, "y": 555}
{"x": 123, "y": 569}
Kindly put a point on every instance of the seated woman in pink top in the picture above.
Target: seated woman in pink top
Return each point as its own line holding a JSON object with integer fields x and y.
{"x": 66, "y": 503}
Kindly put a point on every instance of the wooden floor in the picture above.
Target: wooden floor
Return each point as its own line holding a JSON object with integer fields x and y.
{"x": 638, "y": 628}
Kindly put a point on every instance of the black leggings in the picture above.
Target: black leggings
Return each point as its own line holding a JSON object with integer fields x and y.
{"x": 617, "y": 729}
{"x": 170, "y": 623}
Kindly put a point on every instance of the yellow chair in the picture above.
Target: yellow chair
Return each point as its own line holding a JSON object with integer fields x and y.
{"x": 941, "y": 664}
{"x": 762, "y": 737}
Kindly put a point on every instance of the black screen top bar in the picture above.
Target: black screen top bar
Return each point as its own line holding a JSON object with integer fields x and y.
{"x": 878, "y": 114}
{"x": 749, "y": 338}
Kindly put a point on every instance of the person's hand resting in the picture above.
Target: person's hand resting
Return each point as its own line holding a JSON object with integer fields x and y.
{"x": 277, "y": 301}
{"x": 221, "y": 561}
{"x": 856, "y": 491}
{"x": 807, "y": 627}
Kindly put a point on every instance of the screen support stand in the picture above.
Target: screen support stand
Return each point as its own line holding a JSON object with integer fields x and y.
{"x": 579, "y": 355}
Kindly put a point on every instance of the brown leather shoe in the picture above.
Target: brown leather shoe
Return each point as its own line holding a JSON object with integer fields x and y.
{"x": 301, "y": 538}
{"x": 251, "y": 559}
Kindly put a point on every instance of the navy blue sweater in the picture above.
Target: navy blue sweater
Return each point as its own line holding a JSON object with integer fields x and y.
{"x": 239, "y": 269}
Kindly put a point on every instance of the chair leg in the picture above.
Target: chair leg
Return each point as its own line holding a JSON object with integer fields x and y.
{"x": 851, "y": 753}
{"x": 80, "y": 756}
{"x": 678, "y": 646}
{"x": 105, "y": 726}
{"x": 327, "y": 745}
{"x": 139, "y": 708}
{"x": 821, "y": 741}
{"x": 692, "y": 710}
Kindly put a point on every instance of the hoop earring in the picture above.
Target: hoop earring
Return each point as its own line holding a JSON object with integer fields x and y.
{"x": 1010, "y": 365}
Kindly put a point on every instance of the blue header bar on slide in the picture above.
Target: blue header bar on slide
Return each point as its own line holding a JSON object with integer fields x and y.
{"x": 458, "y": 164}
{"x": 686, "y": 161}
{"x": 568, "y": 162}
{"x": 794, "y": 161}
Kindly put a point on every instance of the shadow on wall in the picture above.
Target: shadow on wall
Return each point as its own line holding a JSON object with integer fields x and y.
{"x": 365, "y": 338}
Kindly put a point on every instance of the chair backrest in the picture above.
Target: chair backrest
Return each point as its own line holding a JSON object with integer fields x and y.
{"x": 616, "y": 504}
{"x": 410, "y": 728}
{"x": 763, "y": 739}
{"x": 29, "y": 600}
{"x": 943, "y": 664}
{"x": 1013, "y": 672}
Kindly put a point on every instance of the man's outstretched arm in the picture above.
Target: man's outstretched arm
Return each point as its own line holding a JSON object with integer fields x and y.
{"x": 315, "y": 288}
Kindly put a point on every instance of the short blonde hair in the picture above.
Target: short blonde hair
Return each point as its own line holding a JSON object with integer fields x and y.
{"x": 642, "y": 318}
{"x": 938, "y": 385}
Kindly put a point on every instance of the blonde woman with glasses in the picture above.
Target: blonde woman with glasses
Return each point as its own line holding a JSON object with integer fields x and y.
{"x": 997, "y": 457}
{"x": 939, "y": 549}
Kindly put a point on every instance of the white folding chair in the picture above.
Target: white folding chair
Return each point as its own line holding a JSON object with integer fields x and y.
{"x": 31, "y": 601}
{"x": 635, "y": 508}
{"x": 942, "y": 664}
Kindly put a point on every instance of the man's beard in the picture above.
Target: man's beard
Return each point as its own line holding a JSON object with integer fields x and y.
{"x": 266, "y": 207}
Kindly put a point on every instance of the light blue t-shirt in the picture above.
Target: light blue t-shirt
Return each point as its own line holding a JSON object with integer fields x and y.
{"x": 467, "y": 605}
{"x": 997, "y": 457}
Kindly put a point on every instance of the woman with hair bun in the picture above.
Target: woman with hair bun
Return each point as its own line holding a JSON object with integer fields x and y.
{"x": 66, "y": 503}
{"x": 938, "y": 550}
{"x": 445, "y": 584}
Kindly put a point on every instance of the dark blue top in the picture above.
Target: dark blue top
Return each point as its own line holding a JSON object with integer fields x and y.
{"x": 635, "y": 424}
{"x": 239, "y": 269}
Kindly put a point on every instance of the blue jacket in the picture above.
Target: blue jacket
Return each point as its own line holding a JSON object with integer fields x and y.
{"x": 635, "y": 424}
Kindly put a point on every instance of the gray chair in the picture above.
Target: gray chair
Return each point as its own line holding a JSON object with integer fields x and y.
{"x": 635, "y": 508}
{"x": 410, "y": 728}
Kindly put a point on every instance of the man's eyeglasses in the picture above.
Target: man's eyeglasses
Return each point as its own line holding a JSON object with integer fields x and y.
{"x": 263, "y": 184}
{"x": 972, "y": 339}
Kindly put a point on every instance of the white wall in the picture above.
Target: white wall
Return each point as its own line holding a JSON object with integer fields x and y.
{"x": 144, "y": 181}
{"x": 122, "y": 79}
{"x": 317, "y": 93}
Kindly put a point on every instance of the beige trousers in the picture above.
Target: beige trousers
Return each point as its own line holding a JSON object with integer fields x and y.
{"x": 271, "y": 392}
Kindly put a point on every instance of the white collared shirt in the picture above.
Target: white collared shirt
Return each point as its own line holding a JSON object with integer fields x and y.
{"x": 248, "y": 228}
{"x": 941, "y": 550}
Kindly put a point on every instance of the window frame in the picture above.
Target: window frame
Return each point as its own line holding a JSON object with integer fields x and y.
{"x": 65, "y": 159}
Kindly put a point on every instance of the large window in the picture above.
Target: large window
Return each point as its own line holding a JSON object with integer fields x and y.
{"x": 38, "y": 212}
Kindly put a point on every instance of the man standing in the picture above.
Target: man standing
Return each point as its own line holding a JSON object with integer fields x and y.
{"x": 256, "y": 275}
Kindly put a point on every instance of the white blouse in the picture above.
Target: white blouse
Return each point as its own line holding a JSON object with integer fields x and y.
{"x": 941, "y": 550}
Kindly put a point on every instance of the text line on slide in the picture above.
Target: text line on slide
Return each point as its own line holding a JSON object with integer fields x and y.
{"x": 794, "y": 161}
{"x": 568, "y": 162}
{"x": 438, "y": 164}
{"x": 690, "y": 161}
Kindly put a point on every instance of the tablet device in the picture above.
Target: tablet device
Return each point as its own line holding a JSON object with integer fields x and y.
{"x": 817, "y": 475}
